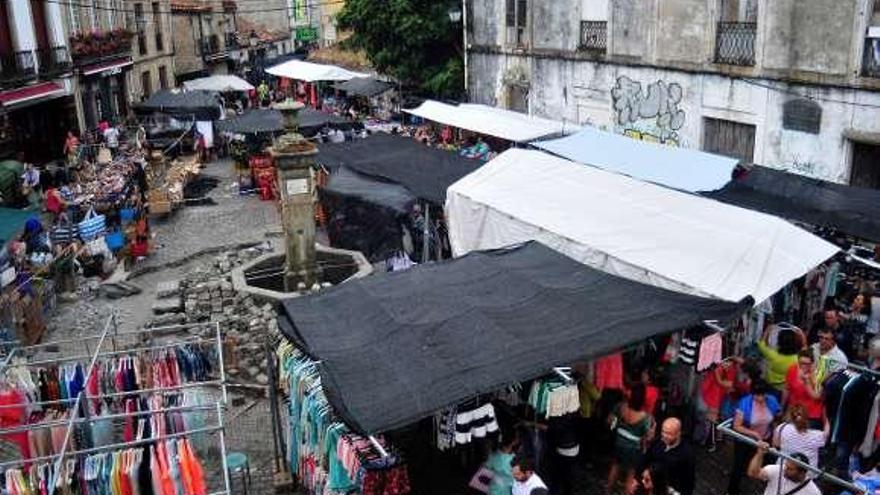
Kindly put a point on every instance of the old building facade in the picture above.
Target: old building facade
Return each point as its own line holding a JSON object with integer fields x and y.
{"x": 152, "y": 48}
{"x": 204, "y": 36}
{"x": 783, "y": 83}
{"x": 36, "y": 80}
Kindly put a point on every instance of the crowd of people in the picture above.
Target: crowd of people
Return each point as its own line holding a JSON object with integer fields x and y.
{"x": 777, "y": 393}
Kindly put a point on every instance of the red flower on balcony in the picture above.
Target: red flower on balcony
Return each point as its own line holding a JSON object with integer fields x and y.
{"x": 86, "y": 45}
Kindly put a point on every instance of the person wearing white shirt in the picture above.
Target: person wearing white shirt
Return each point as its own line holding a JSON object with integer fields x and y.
{"x": 829, "y": 358}
{"x": 524, "y": 477}
{"x": 787, "y": 479}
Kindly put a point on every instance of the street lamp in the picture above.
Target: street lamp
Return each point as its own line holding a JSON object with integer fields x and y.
{"x": 455, "y": 14}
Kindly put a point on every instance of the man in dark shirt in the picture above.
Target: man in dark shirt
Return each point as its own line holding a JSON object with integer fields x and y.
{"x": 675, "y": 454}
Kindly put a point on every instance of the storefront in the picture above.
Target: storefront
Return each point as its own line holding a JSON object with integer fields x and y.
{"x": 103, "y": 92}
{"x": 38, "y": 117}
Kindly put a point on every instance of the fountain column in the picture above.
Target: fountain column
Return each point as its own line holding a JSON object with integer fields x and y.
{"x": 295, "y": 159}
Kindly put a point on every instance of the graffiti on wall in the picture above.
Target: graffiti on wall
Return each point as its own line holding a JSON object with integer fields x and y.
{"x": 650, "y": 114}
{"x": 800, "y": 165}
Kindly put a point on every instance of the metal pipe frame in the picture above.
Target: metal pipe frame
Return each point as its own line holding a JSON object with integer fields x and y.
{"x": 114, "y": 446}
{"x": 151, "y": 412}
{"x": 195, "y": 340}
{"x": 727, "y": 428}
{"x": 210, "y": 383}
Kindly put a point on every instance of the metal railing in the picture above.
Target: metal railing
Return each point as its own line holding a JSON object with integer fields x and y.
{"x": 594, "y": 36}
{"x": 735, "y": 43}
{"x": 17, "y": 66}
{"x": 53, "y": 60}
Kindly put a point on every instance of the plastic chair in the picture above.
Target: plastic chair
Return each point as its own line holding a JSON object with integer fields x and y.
{"x": 238, "y": 464}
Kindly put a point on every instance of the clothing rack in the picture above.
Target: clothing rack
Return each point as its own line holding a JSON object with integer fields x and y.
{"x": 80, "y": 414}
{"x": 726, "y": 428}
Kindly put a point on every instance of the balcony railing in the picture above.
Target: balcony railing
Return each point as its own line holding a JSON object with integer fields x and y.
{"x": 86, "y": 48}
{"x": 54, "y": 60}
{"x": 211, "y": 48}
{"x": 594, "y": 36}
{"x": 871, "y": 62}
{"x": 17, "y": 66}
{"x": 735, "y": 43}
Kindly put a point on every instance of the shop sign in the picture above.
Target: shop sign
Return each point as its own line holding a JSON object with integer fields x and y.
{"x": 112, "y": 71}
{"x": 306, "y": 33}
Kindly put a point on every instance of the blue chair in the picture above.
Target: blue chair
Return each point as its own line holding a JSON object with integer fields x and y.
{"x": 238, "y": 464}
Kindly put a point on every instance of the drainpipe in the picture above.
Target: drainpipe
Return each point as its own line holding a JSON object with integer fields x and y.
{"x": 464, "y": 26}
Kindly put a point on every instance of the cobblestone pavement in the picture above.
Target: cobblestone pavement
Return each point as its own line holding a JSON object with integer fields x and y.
{"x": 232, "y": 220}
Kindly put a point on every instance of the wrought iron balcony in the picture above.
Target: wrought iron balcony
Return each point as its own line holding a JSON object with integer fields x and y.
{"x": 17, "y": 66}
{"x": 212, "y": 48}
{"x": 594, "y": 36}
{"x": 735, "y": 43}
{"x": 54, "y": 60}
{"x": 91, "y": 47}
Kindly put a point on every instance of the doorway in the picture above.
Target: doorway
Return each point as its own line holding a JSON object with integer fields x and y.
{"x": 865, "y": 171}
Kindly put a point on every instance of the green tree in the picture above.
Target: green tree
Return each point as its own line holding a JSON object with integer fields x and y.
{"x": 413, "y": 41}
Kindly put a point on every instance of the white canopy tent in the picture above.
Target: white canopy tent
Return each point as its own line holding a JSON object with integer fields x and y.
{"x": 679, "y": 168}
{"x": 496, "y": 122}
{"x": 310, "y": 72}
{"x": 221, "y": 83}
{"x": 629, "y": 228}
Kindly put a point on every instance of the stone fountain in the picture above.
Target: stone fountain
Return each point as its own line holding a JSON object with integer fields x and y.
{"x": 304, "y": 266}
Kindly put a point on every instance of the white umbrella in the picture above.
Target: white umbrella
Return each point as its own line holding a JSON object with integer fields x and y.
{"x": 309, "y": 72}
{"x": 218, "y": 83}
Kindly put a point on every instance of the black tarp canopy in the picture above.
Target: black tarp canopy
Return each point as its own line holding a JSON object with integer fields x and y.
{"x": 202, "y": 105}
{"x": 253, "y": 121}
{"x": 397, "y": 347}
{"x": 311, "y": 121}
{"x": 852, "y": 210}
{"x": 364, "y": 86}
{"x": 426, "y": 172}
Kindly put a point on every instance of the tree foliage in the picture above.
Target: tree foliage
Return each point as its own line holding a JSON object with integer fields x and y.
{"x": 411, "y": 40}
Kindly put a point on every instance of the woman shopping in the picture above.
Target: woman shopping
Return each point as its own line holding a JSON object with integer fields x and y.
{"x": 754, "y": 418}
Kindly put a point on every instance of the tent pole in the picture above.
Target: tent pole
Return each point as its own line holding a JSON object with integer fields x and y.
{"x": 427, "y": 229}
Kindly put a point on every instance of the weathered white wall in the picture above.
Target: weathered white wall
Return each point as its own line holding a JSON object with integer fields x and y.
{"x": 669, "y": 106}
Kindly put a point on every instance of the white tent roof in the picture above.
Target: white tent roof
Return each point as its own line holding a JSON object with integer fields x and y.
{"x": 218, "y": 83}
{"x": 497, "y": 122}
{"x": 629, "y": 228}
{"x": 309, "y": 72}
{"x": 679, "y": 168}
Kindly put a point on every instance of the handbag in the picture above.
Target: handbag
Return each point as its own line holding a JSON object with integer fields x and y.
{"x": 92, "y": 226}
{"x": 97, "y": 247}
{"x": 62, "y": 235}
{"x": 127, "y": 215}
{"x": 481, "y": 479}
{"x": 115, "y": 240}
{"x": 7, "y": 276}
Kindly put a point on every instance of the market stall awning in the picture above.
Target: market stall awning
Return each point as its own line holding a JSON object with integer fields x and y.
{"x": 396, "y": 348}
{"x": 364, "y": 86}
{"x": 496, "y": 122}
{"x": 851, "y": 210}
{"x": 311, "y": 121}
{"x": 347, "y": 183}
{"x": 628, "y": 227}
{"x": 310, "y": 72}
{"x": 32, "y": 93}
{"x": 679, "y": 168}
{"x": 201, "y": 105}
{"x": 425, "y": 172}
{"x": 253, "y": 121}
{"x": 221, "y": 83}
